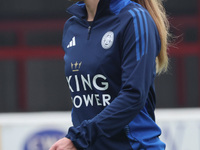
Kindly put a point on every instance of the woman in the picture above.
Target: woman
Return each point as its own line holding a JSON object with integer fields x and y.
{"x": 113, "y": 50}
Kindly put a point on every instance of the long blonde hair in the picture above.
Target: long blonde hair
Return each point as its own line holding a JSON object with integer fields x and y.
{"x": 157, "y": 12}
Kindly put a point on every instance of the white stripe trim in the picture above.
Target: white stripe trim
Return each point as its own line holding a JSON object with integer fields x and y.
{"x": 73, "y": 41}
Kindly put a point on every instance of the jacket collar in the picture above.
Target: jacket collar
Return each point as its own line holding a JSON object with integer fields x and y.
{"x": 105, "y": 7}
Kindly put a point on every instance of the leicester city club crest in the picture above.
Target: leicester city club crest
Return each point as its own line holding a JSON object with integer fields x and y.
{"x": 107, "y": 40}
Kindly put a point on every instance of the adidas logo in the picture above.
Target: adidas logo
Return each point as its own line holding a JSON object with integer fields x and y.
{"x": 72, "y": 43}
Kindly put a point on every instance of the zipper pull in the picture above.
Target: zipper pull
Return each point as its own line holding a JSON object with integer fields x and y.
{"x": 89, "y": 32}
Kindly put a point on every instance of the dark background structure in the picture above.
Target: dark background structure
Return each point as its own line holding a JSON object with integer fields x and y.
{"x": 31, "y": 58}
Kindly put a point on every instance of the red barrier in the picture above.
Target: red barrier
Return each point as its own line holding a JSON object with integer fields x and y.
{"x": 22, "y": 52}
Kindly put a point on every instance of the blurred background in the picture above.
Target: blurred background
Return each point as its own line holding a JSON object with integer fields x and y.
{"x": 35, "y": 101}
{"x": 31, "y": 58}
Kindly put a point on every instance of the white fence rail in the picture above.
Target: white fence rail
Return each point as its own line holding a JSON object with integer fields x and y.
{"x": 38, "y": 131}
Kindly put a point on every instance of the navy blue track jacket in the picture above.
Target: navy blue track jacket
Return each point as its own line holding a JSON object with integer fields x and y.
{"x": 110, "y": 69}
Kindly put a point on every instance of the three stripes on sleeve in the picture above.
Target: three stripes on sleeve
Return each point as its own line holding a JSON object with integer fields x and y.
{"x": 141, "y": 29}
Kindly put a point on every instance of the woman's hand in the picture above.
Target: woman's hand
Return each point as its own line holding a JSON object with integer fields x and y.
{"x": 63, "y": 144}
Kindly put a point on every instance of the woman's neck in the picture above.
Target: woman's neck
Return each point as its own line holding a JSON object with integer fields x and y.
{"x": 91, "y": 7}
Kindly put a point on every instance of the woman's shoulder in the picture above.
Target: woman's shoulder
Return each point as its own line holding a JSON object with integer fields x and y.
{"x": 134, "y": 14}
{"x": 133, "y": 10}
{"x": 70, "y": 20}
{"x": 68, "y": 23}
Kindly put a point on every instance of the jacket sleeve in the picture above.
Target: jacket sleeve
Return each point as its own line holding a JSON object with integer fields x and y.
{"x": 138, "y": 71}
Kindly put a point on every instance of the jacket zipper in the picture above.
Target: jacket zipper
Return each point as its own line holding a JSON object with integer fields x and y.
{"x": 89, "y": 32}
